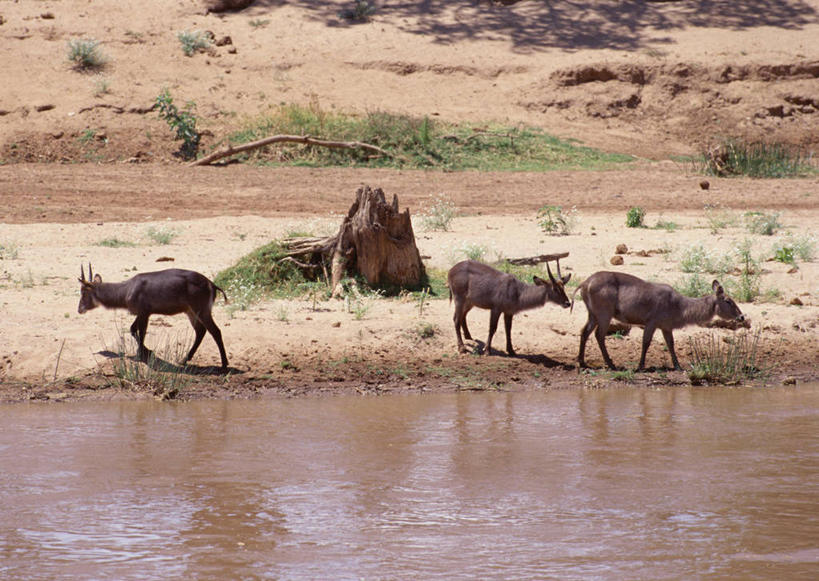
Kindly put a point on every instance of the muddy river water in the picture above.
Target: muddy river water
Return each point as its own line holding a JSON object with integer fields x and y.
{"x": 617, "y": 483}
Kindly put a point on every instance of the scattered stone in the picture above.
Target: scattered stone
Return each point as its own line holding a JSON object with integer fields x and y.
{"x": 622, "y": 249}
{"x": 793, "y": 270}
{"x": 46, "y": 107}
{"x": 705, "y": 184}
{"x": 47, "y": 16}
{"x": 796, "y": 301}
{"x": 224, "y": 41}
{"x": 617, "y": 260}
{"x": 165, "y": 259}
{"x": 336, "y": 325}
{"x": 790, "y": 380}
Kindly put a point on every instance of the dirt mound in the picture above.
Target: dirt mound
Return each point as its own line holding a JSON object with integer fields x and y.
{"x": 693, "y": 102}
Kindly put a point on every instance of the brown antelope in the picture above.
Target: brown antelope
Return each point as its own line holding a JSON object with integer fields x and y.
{"x": 166, "y": 292}
{"x": 474, "y": 284}
{"x": 634, "y": 301}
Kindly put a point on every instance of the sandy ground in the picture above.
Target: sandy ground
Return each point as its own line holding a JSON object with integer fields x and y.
{"x": 654, "y": 80}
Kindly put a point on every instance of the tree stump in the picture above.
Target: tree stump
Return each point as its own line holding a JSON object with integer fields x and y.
{"x": 377, "y": 240}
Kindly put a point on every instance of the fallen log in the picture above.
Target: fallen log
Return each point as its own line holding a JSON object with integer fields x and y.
{"x": 533, "y": 260}
{"x": 305, "y": 139}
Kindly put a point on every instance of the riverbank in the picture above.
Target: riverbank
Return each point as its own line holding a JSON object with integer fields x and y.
{"x": 368, "y": 344}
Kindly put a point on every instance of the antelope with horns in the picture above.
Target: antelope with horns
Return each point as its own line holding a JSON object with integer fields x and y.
{"x": 165, "y": 292}
{"x": 634, "y": 301}
{"x": 474, "y": 284}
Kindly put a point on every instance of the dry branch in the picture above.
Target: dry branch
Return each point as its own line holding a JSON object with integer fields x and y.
{"x": 532, "y": 260}
{"x": 305, "y": 139}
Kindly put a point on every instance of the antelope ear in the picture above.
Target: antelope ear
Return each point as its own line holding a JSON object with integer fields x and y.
{"x": 97, "y": 279}
{"x": 566, "y": 278}
{"x": 539, "y": 281}
{"x": 717, "y": 288}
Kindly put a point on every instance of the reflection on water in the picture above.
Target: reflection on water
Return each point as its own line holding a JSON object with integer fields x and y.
{"x": 611, "y": 484}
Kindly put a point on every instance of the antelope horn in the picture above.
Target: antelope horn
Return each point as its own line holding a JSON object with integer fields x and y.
{"x": 560, "y": 276}
{"x": 549, "y": 270}
{"x": 90, "y": 275}
{"x": 82, "y": 273}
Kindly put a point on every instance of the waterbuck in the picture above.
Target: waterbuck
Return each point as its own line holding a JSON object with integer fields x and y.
{"x": 634, "y": 301}
{"x": 166, "y": 292}
{"x": 474, "y": 284}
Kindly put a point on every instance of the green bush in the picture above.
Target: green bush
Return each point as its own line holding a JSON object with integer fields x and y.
{"x": 182, "y": 121}
{"x": 635, "y": 217}
{"x": 763, "y": 223}
{"x": 725, "y": 362}
{"x": 85, "y": 55}
{"x": 193, "y": 41}
{"x": 438, "y": 214}
{"x": 553, "y": 220}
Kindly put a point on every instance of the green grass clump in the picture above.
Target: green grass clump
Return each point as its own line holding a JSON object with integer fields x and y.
{"x": 115, "y": 243}
{"x": 757, "y": 160}
{"x": 262, "y": 274}
{"x": 553, "y": 220}
{"x": 693, "y": 286}
{"x": 193, "y": 41}
{"x": 9, "y": 251}
{"x": 85, "y": 55}
{"x": 725, "y": 362}
{"x": 438, "y": 214}
{"x": 635, "y": 217}
{"x": 161, "y": 236}
{"x": 763, "y": 223}
{"x": 412, "y": 142}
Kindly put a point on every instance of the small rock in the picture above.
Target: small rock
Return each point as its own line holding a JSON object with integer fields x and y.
{"x": 705, "y": 184}
{"x": 796, "y": 301}
{"x": 793, "y": 270}
{"x": 224, "y": 41}
{"x": 42, "y": 108}
{"x": 336, "y": 325}
{"x": 789, "y": 381}
{"x": 617, "y": 260}
{"x": 622, "y": 249}
{"x": 165, "y": 259}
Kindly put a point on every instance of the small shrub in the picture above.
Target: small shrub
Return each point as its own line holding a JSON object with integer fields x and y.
{"x": 715, "y": 360}
{"x": 182, "y": 121}
{"x": 795, "y": 247}
{"x": 718, "y": 218}
{"x": 750, "y": 273}
{"x": 666, "y": 225}
{"x": 473, "y": 251}
{"x": 763, "y": 223}
{"x": 553, "y": 220}
{"x": 9, "y": 251}
{"x": 85, "y": 55}
{"x": 694, "y": 286}
{"x": 360, "y": 12}
{"x": 635, "y": 217}
{"x": 193, "y": 41}
{"x": 161, "y": 236}
{"x": 438, "y": 215}
{"x": 696, "y": 259}
{"x": 115, "y": 243}
{"x": 785, "y": 254}
{"x": 756, "y": 160}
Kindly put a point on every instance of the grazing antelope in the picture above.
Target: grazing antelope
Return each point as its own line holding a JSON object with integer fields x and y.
{"x": 474, "y": 284}
{"x": 634, "y": 301}
{"x": 166, "y": 292}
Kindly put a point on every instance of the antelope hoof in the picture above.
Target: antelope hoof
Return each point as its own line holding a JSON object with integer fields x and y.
{"x": 463, "y": 349}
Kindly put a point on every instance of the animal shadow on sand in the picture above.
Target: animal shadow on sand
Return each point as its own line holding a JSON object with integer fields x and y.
{"x": 158, "y": 364}
{"x": 539, "y": 359}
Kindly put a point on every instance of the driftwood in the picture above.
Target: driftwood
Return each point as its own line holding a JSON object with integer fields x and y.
{"x": 305, "y": 139}
{"x": 532, "y": 260}
{"x": 374, "y": 239}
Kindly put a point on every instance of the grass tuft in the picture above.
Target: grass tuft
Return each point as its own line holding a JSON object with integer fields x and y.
{"x": 734, "y": 157}
{"x": 726, "y": 361}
